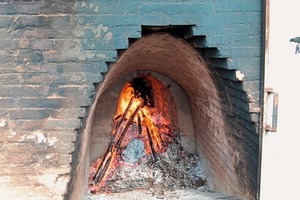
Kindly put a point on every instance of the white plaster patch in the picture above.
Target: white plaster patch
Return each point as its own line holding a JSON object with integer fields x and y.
{"x": 47, "y": 180}
{"x": 101, "y": 55}
{"x": 54, "y": 182}
{"x": 108, "y": 36}
{"x": 61, "y": 183}
{"x": 4, "y": 180}
{"x": 77, "y": 77}
{"x": 229, "y": 59}
{"x": 7, "y": 191}
{"x": 50, "y": 155}
{"x": 23, "y": 138}
{"x": 40, "y": 137}
{"x": 30, "y": 137}
{"x": 12, "y": 134}
{"x": 83, "y": 4}
{"x": 239, "y": 75}
{"x": 96, "y": 9}
{"x": 90, "y": 55}
{"x": 97, "y": 30}
{"x": 105, "y": 28}
{"x": 2, "y": 123}
{"x": 52, "y": 140}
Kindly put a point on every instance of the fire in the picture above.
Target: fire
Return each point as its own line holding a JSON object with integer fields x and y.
{"x": 135, "y": 118}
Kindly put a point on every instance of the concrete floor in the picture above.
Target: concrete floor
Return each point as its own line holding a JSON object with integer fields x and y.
{"x": 169, "y": 195}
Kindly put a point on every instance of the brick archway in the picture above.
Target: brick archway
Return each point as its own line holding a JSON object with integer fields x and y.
{"x": 172, "y": 59}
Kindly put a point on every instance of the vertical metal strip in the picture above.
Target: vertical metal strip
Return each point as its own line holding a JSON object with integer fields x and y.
{"x": 265, "y": 62}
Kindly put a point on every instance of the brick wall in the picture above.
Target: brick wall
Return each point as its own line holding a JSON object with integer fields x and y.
{"x": 54, "y": 52}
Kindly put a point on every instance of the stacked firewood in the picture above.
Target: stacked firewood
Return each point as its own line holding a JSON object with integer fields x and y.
{"x": 146, "y": 128}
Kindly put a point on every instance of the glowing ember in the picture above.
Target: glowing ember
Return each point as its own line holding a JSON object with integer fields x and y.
{"x": 136, "y": 121}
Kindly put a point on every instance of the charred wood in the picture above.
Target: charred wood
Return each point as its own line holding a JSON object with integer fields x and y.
{"x": 114, "y": 146}
{"x": 140, "y": 124}
{"x": 131, "y": 118}
{"x": 153, "y": 153}
{"x": 125, "y": 113}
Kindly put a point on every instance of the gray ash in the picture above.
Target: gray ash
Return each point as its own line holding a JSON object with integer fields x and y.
{"x": 175, "y": 169}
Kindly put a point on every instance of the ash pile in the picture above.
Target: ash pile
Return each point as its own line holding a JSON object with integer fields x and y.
{"x": 174, "y": 169}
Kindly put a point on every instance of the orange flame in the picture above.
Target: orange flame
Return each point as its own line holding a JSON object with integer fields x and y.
{"x": 158, "y": 135}
{"x": 150, "y": 117}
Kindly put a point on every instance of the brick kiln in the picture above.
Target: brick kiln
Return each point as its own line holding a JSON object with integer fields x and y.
{"x": 193, "y": 71}
{"x": 183, "y": 89}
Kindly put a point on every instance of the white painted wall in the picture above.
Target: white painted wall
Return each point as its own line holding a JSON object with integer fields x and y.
{"x": 281, "y": 150}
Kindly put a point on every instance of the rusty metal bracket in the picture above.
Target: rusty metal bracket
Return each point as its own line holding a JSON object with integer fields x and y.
{"x": 271, "y": 110}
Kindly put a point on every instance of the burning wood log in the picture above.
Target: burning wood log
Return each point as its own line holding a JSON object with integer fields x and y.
{"x": 125, "y": 113}
{"x": 131, "y": 118}
{"x": 139, "y": 130}
{"x": 140, "y": 125}
{"x": 103, "y": 168}
{"x": 107, "y": 156}
{"x": 153, "y": 152}
{"x": 155, "y": 134}
{"x": 114, "y": 147}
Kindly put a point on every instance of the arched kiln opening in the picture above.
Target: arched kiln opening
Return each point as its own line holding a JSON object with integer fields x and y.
{"x": 173, "y": 68}
{"x": 159, "y": 94}
{"x": 185, "y": 90}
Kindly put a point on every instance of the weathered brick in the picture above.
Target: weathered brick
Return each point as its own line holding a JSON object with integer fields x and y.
{"x": 77, "y": 55}
{"x": 6, "y": 56}
{"x": 48, "y": 136}
{"x": 236, "y": 6}
{"x": 44, "y": 159}
{"x": 46, "y": 124}
{"x": 30, "y": 21}
{"x": 41, "y": 113}
{"x": 78, "y": 78}
{"x": 20, "y": 56}
{"x": 50, "y": 102}
{"x": 92, "y": 44}
{"x": 68, "y": 113}
{"x": 36, "y": 44}
{"x": 4, "y": 33}
{"x": 8, "y": 102}
{"x": 34, "y": 78}
{"x": 42, "y": 146}
{"x": 24, "y": 91}
{"x": 26, "y": 189}
{"x": 38, "y": 33}
{"x": 5, "y": 21}
{"x": 87, "y": 67}
{"x": 73, "y": 90}
{"x": 220, "y": 170}
{"x": 62, "y": 124}
{"x": 44, "y": 102}
{"x": 37, "y": 7}
{"x": 171, "y": 9}
{"x": 19, "y": 169}
{"x": 29, "y": 114}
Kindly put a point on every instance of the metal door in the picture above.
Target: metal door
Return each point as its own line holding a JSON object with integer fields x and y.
{"x": 280, "y": 141}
